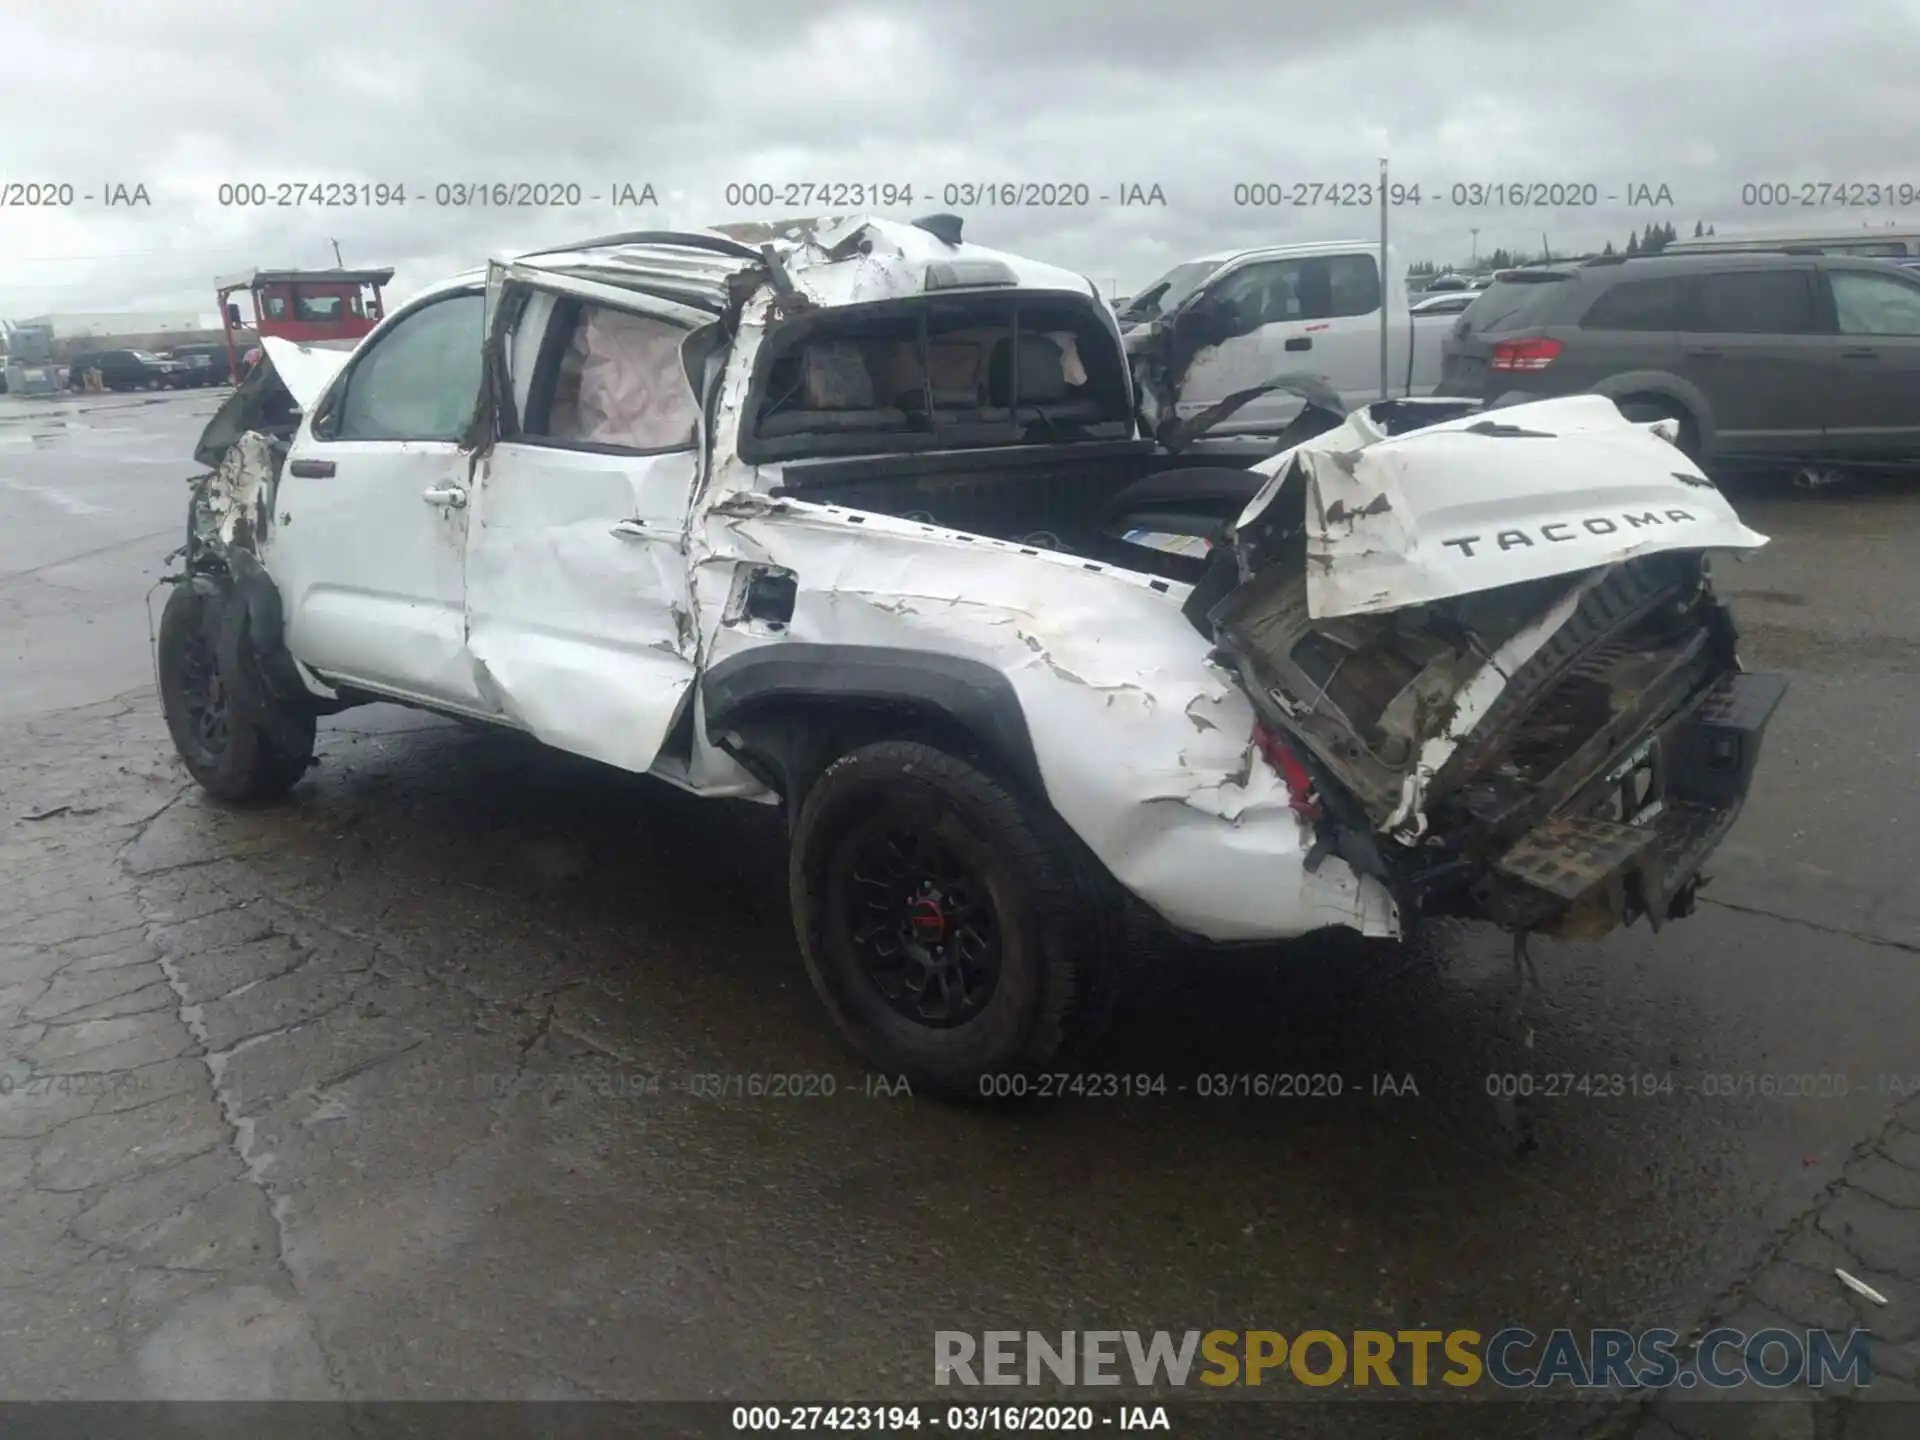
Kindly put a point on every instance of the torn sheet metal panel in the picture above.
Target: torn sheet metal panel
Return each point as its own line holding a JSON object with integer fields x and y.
{"x": 236, "y": 501}
{"x": 1522, "y": 493}
{"x": 1468, "y": 706}
{"x": 860, "y": 259}
{"x": 1145, "y": 748}
{"x": 727, "y": 474}
{"x": 706, "y": 270}
{"x": 1146, "y": 753}
{"x": 832, "y": 260}
{"x": 593, "y": 286}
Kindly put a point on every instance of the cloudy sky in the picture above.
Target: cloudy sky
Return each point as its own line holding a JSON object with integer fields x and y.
{"x": 691, "y": 96}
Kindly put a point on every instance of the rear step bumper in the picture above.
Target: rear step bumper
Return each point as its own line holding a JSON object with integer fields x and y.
{"x": 1587, "y": 872}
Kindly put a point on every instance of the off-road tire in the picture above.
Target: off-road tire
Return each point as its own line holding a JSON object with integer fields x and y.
{"x": 1065, "y": 944}
{"x": 259, "y": 749}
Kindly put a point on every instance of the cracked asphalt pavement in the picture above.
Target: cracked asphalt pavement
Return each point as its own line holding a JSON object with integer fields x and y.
{"x": 436, "y": 1080}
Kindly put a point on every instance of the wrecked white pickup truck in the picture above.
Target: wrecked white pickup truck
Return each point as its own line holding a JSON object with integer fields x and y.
{"x": 841, "y": 522}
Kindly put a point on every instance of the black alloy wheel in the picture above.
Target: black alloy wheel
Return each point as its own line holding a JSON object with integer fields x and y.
{"x": 920, "y": 916}
{"x": 954, "y": 927}
{"x": 203, "y": 696}
{"x": 236, "y": 740}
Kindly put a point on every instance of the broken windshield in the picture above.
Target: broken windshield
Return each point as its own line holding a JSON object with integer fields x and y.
{"x": 1170, "y": 291}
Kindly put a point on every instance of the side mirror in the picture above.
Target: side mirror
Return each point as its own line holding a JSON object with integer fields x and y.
{"x": 1206, "y": 313}
{"x": 233, "y": 314}
{"x": 325, "y": 413}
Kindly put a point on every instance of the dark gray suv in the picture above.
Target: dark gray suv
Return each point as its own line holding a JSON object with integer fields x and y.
{"x": 1763, "y": 358}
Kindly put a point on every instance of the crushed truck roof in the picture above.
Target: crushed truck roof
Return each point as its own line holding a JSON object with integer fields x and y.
{"x": 832, "y": 261}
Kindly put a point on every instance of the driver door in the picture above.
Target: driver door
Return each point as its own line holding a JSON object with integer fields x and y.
{"x": 369, "y": 548}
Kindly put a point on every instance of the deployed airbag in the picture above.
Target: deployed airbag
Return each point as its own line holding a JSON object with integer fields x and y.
{"x": 633, "y": 384}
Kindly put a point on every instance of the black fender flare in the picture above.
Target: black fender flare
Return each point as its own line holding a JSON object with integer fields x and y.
{"x": 250, "y": 593}
{"x": 266, "y": 628}
{"x": 789, "y": 677}
{"x": 229, "y": 622}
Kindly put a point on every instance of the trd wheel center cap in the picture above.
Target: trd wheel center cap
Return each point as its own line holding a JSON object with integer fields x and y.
{"x": 927, "y": 919}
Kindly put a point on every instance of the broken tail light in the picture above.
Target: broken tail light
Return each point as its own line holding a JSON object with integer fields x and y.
{"x": 1510, "y": 356}
{"x": 1301, "y": 798}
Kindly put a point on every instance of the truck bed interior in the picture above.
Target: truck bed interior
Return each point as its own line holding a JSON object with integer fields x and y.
{"x": 988, "y": 413}
{"x": 1067, "y": 497}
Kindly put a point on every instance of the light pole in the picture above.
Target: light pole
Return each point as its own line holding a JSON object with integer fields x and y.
{"x": 1384, "y": 194}
{"x": 1476, "y": 244}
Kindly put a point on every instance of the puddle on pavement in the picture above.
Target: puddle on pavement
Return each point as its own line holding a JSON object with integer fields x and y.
{"x": 77, "y": 426}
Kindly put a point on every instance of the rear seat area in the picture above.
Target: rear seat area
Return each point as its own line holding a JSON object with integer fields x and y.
{"x": 836, "y": 385}
{"x": 834, "y": 389}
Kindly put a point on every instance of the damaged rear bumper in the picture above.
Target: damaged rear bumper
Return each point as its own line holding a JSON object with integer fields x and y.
{"x": 1634, "y": 840}
{"x": 1554, "y": 741}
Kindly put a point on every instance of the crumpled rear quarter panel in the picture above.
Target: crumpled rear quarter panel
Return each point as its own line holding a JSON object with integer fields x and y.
{"x": 1143, "y": 746}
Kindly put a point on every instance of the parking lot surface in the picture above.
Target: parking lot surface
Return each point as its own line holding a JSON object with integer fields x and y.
{"x": 473, "y": 1071}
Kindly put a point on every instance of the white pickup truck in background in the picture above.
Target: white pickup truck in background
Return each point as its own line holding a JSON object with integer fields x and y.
{"x": 1226, "y": 323}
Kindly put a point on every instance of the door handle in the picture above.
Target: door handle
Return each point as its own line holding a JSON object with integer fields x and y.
{"x": 311, "y": 469}
{"x": 452, "y": 497}
{"x": 1859, "y": 354}
{"x": 1300, "y": 342}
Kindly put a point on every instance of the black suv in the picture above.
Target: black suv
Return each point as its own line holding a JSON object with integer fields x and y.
{"x": 128, "y": 370}
{"x": 206, "y": 364}
{"x": 1763, "y": 358}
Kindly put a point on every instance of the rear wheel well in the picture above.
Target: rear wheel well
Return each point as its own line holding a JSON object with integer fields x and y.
{"x": 787, "y": 744}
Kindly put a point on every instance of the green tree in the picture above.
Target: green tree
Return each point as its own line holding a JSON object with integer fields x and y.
{"x": 1609, "y": 249}
{"x": 1633, "y": 242}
